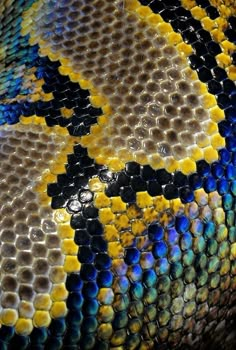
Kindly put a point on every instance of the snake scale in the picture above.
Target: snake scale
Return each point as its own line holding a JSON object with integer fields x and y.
{"x": 117, "y": 174}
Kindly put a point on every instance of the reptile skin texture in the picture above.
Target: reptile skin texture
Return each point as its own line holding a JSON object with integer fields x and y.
{"x": 117, "y": 174}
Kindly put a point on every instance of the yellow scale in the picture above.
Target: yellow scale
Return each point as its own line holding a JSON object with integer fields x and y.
{"x": 122, "y": 223}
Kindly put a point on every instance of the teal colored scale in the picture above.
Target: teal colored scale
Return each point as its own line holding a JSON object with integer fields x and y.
{"x": 186, "y": 265}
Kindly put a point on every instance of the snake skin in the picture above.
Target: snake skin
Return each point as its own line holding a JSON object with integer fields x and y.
{"x": 117, "y": 174}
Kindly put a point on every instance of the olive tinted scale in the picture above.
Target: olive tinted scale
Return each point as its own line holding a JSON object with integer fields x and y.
{"x": 117, "y": 181}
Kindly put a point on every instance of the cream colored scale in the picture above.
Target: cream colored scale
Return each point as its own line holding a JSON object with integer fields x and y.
{"x": 33, "y": 254}
{"x": 135, "y": 67}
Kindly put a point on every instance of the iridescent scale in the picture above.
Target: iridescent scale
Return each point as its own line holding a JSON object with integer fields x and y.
{"x": 117, "y": 174}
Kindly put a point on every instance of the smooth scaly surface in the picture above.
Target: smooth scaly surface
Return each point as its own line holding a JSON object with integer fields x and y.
{"x": 117, "y": 174}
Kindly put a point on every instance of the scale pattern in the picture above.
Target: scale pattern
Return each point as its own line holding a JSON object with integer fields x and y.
{"x": 117, "y": 174}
